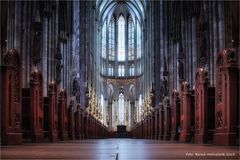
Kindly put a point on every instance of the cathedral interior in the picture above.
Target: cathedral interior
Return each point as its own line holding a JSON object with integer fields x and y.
{"x": 122, "y": 73}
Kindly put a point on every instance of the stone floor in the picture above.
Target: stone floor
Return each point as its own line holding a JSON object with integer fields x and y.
{"x": 122, "y": 149}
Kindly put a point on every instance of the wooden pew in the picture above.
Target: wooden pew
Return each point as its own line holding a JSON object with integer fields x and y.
{"x": 70, "y": 121}
{"x": 62, "y": 116}
{"x": 211, "y": 113}
{"x": 167, "y": 118}
{"x": 161, "y": 122}
{"x": 52, "y": 112}
{"x": 149, "y": 126}
{"x": 86, "y": 126}
{"x": 36, "y": 110}
{"x": 204, "y": 107}
{"x": 153, "y": 134}
{"x": 140, "y": 130}
{"x": 144, "y": 129}
{"x": 11, "y": 105}
{"x": 227, "y": 98}
{"x": 77, "y": 122}
{"x": 90, "y": 127}
{"x": 32, "y": 108}
{"x": 187, "y": 113}
{"x": 175, "y": 131}
{"x": 156, "y": 113}
{"x": 26, "y": 116}
{"x": 46, "y": 117}
{"x": 82, "y": 115}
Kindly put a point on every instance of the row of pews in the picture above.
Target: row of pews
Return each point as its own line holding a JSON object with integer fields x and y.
{"x": 206, "y": 114}
{"x": 27, "y": 116}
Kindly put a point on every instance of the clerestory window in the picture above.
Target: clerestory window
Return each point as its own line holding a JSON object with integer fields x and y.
{"x": 121, "y": 39}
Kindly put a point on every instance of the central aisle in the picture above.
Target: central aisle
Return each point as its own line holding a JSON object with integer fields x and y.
{"x": 112, "y": 149}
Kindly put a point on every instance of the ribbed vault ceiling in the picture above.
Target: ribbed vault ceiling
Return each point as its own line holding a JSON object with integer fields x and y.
{"x": 106, "y": 8}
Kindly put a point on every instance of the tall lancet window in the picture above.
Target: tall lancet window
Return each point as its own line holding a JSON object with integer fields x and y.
{"x": 104, "y": 40}
{"x": 102, "y": 104}
{"x": 121, "y": 39}
{"x": 130, "y": 39}
{"x": 139, "y": 41}
{"x": 139, "y": 107}
{"x": 112, "y": 39}
{"x": 121, "y": 108}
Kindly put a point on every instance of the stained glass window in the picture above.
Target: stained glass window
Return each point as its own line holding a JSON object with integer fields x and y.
{"x": 112, "y": 39}
{"x": 121, "y": 108}
{"x": 104, "y": 40}
{"x": 130, "y": 39}
{"x": 139, "y": 106}
{"x": 139, "y": 45}
{"x": 121, "y": 71}
{"x": 110, "y": 70}
{"x": 121, "y": 39}
{"x": 132, "y": 70}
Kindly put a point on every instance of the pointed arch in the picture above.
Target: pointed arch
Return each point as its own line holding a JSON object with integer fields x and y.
{"x": 121, "y": 39}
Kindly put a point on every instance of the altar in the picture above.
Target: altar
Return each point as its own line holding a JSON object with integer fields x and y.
{"x": 121, "y": 129}
{"x": 121, "y": 132}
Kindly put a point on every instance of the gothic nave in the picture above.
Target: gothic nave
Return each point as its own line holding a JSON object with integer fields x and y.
{"x": 119, "y": 79}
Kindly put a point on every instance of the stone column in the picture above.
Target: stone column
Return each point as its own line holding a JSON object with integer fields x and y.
{"x": 201, "y": 106}
{"x": 194, "y": 45}
{"x": 45, "y": 51}
{"x": 227, "y": 96}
